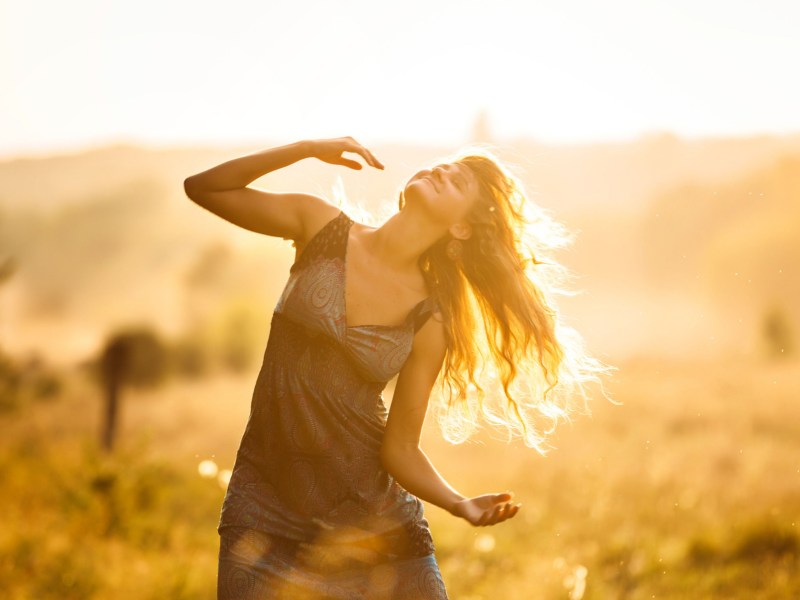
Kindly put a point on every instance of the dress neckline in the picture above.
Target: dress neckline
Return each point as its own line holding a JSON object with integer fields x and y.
{"x": 409, "y": 318}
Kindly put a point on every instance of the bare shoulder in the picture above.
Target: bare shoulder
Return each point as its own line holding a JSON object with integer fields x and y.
{"x": 314, "y": 213}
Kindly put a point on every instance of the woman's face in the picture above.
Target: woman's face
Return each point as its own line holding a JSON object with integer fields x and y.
{"x": 448, "y": 191}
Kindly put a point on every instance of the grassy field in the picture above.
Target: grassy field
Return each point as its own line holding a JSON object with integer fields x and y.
{"x": 689, "y": 489}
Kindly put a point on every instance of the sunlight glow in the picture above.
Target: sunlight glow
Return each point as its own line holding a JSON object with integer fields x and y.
{"x": 484, "y": 542}
{"x": 224, "y": 478}
{"x": 91, "y": 72}
{"x": 207, "y": 469}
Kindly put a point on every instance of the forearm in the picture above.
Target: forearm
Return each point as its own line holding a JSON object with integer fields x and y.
{"x": 239, "y": 172}
{"x": 412, "y": 469}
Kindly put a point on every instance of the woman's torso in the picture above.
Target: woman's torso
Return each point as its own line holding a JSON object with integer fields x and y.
{"x": 308, "y": 467}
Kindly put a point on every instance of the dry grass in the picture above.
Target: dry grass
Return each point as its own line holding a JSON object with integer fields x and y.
{"x": 690, "y": 489}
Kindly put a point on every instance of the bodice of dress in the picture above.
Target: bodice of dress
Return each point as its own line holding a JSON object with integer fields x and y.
{"x": 308, "y": 466}
{"x": 315, "y": 297}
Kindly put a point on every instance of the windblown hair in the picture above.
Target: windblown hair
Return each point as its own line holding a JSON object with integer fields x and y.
{"x": 500, "y": 278}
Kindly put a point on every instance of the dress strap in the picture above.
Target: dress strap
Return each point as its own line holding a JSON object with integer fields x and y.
{"x": 422, "y": 311}
{"x": 329, "y": 242}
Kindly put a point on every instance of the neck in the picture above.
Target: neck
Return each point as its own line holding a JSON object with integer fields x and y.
{"x": 402, "y": 239}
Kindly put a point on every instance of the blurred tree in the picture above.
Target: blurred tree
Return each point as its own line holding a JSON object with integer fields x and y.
{"x": 136, "y": 357}
{"x": 191, "y": 356}
{"x": 9, "y": 377}
{"x": 240, "y": 337}
{"x": 9, "y": 384}
{"x": 22, "y": 382}
{"x": 7, "y": 267}
{"x": 777, "y": 333}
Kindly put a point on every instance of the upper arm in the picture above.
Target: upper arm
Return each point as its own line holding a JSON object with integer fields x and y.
{"x": 414, "y": 385}
{"x": 287, "y": 215}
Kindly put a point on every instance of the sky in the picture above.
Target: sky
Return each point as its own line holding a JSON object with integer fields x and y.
{"x": 176, "y": 72}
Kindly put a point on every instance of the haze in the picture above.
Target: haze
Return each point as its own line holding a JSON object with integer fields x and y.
{"x": 87, "y": 73}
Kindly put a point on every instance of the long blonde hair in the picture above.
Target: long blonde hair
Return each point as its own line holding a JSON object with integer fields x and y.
{"x": 501, "y": 277}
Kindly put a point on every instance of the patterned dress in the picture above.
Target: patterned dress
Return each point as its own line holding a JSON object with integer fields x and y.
{"x": 310, "y": 512}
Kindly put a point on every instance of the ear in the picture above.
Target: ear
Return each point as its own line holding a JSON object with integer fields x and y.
{"x": 461, "y": 231}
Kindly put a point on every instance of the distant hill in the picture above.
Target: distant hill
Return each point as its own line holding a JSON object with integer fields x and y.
{"x": 685, "y": 222}
{"x": 595, "y": 178}
{"x": 107, "y": 237}
{"x": 736, "y": 242}
{"x": 623, "y": 177}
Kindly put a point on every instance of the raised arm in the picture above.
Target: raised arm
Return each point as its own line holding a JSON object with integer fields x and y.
{"x": 401, "y": 454}
{"x": 223, "y": 189}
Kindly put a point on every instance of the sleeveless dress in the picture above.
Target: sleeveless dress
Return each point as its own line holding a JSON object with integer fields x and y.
{"x": 310, "y": 512}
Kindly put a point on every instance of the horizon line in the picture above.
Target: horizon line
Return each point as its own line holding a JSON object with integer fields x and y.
{"x": 499, "y": 141}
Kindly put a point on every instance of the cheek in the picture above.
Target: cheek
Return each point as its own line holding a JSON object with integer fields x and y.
{"x": 452, "y": 209}
{"x": 462, "y": 205}
{"x": 446, "y": 208}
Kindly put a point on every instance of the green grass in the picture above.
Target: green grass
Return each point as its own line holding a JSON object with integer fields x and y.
{"x": 691, "y": 489}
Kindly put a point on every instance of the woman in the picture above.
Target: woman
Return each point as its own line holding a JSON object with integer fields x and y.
{"x": 324, "y": 500}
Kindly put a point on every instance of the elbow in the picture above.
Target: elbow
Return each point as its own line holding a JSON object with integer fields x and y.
{"x": 386, "y": 458}
{"x": 189, "y": 187}
{"x": 394, "y": 457}
{"x": 390, "y": 459}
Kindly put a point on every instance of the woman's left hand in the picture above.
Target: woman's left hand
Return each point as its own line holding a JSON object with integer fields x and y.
{"x": 488, "y": 509}
{"x": 331, "y": 151}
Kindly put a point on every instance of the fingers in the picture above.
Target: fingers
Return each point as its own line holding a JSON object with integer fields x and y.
{"x": 348, "y": 163}
{"x": 488, "y": 509}
{"x": 332, "y": 151}
{"x": 374, "y": 161}
{"x": 365, "y": 154}
{"x": 498, "y": 514}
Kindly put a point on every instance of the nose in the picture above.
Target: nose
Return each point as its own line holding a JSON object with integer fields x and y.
{"x": 438, "y": 171}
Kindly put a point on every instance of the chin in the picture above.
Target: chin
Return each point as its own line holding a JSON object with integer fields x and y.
{"x": 417, "y": 191}
{"x": 421, "y": 195}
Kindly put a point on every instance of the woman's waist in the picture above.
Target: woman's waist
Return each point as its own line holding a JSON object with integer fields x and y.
{"x": 380, "y": 538}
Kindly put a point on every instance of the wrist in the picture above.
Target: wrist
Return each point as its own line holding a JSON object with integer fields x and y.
{"x": 453, "y": 504}
{"x": 307, "y": 148}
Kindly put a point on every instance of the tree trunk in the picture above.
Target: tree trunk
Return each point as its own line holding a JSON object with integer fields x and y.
{"x": 112, "y": 404}
{"x": 113, "y": 365}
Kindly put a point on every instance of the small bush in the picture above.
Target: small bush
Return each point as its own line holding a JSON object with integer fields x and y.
{"x": 766, "y": 541}
{"x": 777, "y": 333}
{"x": 30, "y": 381}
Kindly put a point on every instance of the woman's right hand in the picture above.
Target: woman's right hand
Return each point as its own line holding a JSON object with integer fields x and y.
{"x": 488, "y": 509}
{"x": 331, "y": 151}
